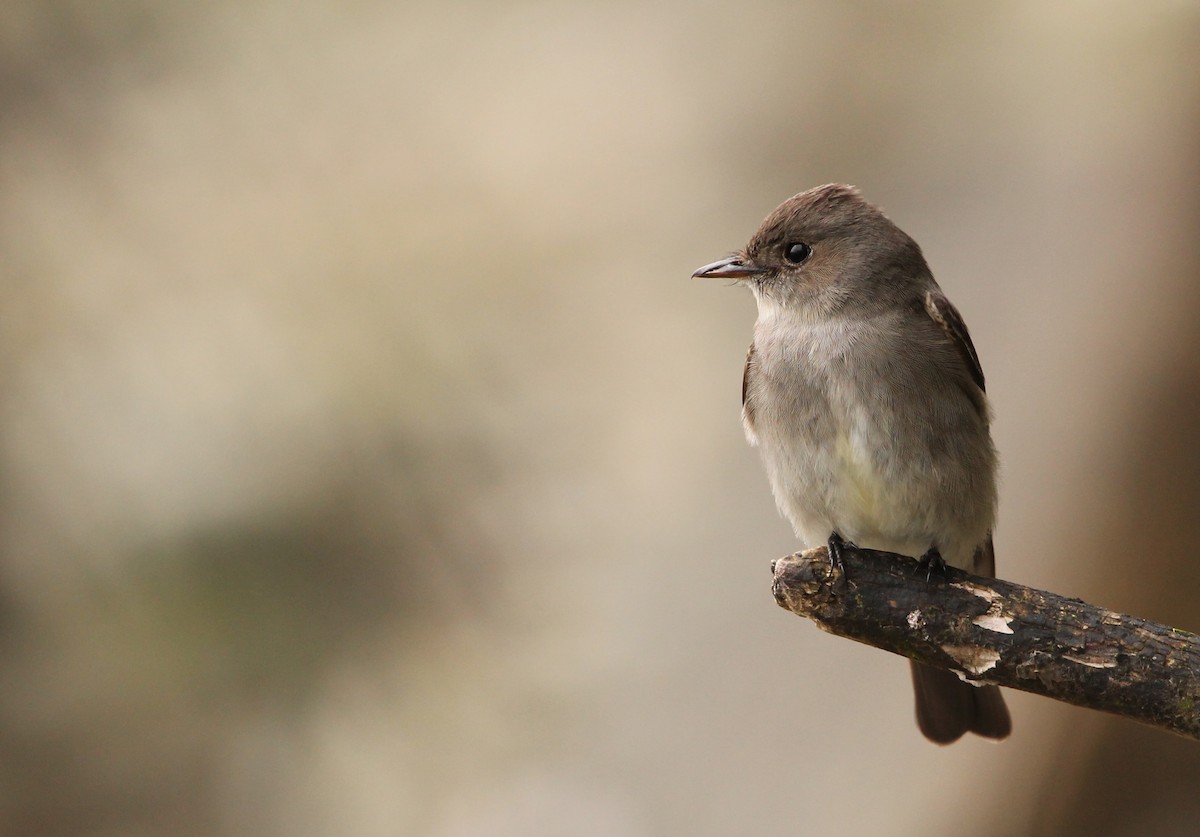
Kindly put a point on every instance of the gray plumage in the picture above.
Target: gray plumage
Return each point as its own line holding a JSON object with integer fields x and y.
{"x": 863, "y": 393}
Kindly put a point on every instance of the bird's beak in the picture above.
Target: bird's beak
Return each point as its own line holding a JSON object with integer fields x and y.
{"x": 734, "y": 267}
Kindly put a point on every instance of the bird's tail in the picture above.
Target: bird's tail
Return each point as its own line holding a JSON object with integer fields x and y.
{"x": 948, "y": 707}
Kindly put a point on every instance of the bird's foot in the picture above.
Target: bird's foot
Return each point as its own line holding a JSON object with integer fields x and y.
{"x": 933, "y": 563}
{"x": 837, "y": 547}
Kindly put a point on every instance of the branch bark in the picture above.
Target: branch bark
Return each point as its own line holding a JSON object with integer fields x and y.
{"x": 994, "y": 631}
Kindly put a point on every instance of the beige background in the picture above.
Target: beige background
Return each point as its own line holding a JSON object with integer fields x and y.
{"x": 369, "y": 464}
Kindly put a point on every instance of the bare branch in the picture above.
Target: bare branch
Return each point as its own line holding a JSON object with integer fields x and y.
{"x": 995, "y": 631}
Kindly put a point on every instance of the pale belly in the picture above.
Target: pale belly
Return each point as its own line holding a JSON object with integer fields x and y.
{"x": 898, "y": 503}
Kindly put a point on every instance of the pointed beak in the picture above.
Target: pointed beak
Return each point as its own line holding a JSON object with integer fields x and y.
{"x": 734, "y": 267}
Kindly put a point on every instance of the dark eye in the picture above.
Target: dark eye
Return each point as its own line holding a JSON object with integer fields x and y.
{"x": 796, "y": 253}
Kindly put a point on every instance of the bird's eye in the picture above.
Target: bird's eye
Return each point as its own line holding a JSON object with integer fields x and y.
{"x": 796, "y": 253}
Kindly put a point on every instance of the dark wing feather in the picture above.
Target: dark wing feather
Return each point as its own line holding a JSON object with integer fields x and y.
{"x": 942, "y": 312}
{"x": 747, "y": 371}
{"x": 985, "y": 559}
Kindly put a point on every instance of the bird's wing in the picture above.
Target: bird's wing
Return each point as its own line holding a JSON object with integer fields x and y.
{"x": 747, "y": 406}
{"x": 942, "y": 312}
{"x": 946, "y": 315}
{"x": 984, "y": 560}
{"x": 746, "y": 373}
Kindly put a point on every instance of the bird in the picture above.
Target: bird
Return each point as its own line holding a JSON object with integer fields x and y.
{"x": 864, "y": 395}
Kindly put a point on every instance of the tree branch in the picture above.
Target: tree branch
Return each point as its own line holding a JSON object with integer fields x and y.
{"x": 995, "y": 631}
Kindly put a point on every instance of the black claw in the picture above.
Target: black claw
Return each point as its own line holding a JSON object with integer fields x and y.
{"x": 933, "y": 563}
{"x": 837, "y": 548}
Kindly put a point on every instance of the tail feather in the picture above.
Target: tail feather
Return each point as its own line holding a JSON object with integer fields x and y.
{"x": 948, "y": 707}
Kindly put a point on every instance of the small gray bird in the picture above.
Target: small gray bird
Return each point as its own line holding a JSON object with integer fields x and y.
{"x": 863, "y": 393}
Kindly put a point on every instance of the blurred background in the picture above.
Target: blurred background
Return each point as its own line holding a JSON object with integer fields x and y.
{"x": 370, "y": 465}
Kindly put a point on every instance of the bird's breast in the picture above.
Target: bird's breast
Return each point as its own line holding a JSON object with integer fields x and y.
{"x": 823, "y": 437}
